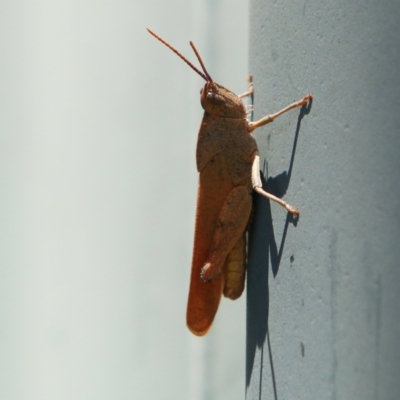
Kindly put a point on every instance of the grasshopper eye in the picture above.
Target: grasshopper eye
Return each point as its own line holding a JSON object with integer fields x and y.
{"x": 215, "y": 98}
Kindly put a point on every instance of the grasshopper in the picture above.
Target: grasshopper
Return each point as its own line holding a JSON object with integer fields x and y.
{"x": 229, "y": 166}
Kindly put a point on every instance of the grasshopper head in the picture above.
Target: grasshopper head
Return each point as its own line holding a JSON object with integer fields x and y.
{"x": 221, "y": 102}
{"x": 215, "y": 99}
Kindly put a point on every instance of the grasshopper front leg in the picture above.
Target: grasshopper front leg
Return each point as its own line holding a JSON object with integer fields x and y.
{"x": 270, "y": 118}
{"x": 250, "y": 92}
{"x": 232, "y": 222}
{"x": 255, "y": 175}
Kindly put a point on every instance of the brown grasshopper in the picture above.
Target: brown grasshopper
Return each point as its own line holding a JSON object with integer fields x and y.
{"x": 229, "y": 166}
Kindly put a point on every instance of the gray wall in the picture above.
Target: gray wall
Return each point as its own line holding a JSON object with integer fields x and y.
{"x": 323, "y": 294}
{"x": 98, "y": 126}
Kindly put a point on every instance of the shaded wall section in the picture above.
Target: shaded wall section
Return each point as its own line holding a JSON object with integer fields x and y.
{"x": 323, "y": 291}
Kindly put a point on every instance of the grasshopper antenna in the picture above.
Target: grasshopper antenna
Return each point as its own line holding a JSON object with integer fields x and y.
{"x": 201, "y": 62}
{"x": 206, "y": 77}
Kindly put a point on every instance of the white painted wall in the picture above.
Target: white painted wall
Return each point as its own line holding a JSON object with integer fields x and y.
{"x": 98, "y": 127}
{"x": 332, "y": 313}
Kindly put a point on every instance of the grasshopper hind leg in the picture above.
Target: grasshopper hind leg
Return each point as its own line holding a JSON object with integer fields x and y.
{"x": 232, "y": 222}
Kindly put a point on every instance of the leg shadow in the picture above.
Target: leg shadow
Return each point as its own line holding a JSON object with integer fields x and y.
{"x": 262, "y": 251}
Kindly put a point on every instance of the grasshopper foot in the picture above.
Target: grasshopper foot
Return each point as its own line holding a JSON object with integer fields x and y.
{"x": 306, "y": 99}
{"x": 294, "y": 211}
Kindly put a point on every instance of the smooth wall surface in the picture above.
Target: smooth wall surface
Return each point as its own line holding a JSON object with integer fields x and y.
{"x": 98, "y": 127}
{"x": 324, "y": 291}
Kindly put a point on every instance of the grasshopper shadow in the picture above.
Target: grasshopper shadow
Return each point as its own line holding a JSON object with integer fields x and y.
{"x": 263, "y": 254}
